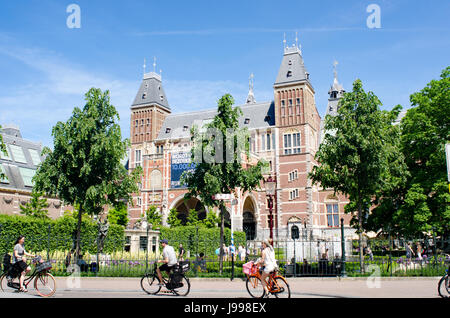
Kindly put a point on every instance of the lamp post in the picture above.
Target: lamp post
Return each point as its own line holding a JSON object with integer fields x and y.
{"x": 145, "y": 227}
{"x": 270, "y": 184}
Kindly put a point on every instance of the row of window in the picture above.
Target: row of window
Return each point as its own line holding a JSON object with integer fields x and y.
{"x": 18, "y": 154}
{"x": 293, "y": 175}
{"x": 293, "y": 194}
{"x": 27, "y": 175}
{"x": 136, "y": 123}
{"x": 283, "y": 102}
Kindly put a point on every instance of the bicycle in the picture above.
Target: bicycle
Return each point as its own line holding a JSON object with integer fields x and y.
{"x": 177, "y": 283}
{"x": 44, "y": 282}
{"x": 276, "y": 284}
{"x": 444, "y": 285}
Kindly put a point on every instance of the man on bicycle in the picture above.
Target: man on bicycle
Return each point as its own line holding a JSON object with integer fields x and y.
{"x": 169, "y": 260}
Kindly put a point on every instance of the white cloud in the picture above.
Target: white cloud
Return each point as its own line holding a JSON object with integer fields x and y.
{"x": 37, "y": 106}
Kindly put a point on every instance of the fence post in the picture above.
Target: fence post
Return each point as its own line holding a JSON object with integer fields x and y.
{"x": 343, "y": 273}
{"x": 48, "y": 242}
{"x": 390, "y": 253}
{"x": 435, "y": 247}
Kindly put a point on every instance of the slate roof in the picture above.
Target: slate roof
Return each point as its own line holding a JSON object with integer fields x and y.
{"x": 292, "y": 68}
{"x": 11, "y": 166}
{"x": 151, "y": 92}
{"x": 258, "y": 115}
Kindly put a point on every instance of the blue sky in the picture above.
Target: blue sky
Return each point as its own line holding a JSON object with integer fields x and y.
{"x": 206, "y": 49}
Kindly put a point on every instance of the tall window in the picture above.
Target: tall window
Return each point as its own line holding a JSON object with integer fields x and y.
{"x": 333, "y": 215}
{"x": 267, "y": 141}
{"x": 143, "y": 242}
{"x": 27, "y": 176}
{"x": 291, "y": 143}
{"x": 35, "y": 157}
{"x": 18, "y": 154}
{"x": 6, "y": 156}
{"x": 138, "y": 158}
{"x": 3, "y": 180}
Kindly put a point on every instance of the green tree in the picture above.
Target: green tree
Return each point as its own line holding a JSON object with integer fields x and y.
{"x": 192, "y": 218}
{"x": 85, "y": 166}
{"x": 354, "y": 156}
{"x": 118, "y": 215}
{"x": 173, "y": 219}
{"x": 220, "y": 168}
{"x": 211, "y": 220}
{"x": 153, "y": 216}
{"x": 37, "y": 207}
{"x": 425, "y": 131}
{"x": 4, "y": 151}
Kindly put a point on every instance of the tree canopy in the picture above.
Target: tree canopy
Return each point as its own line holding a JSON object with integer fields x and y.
{"x": 218, "y": 154}
{"x": 85, "y": 167}
{"x": 425, "y": 131}
{"x": 355, "y": 156}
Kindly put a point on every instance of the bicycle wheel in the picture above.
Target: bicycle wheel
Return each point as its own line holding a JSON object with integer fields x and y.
{"x": 6, "y": 285}
{"x": 183, "y": 290}
{"x": 281, "y": 288}
{"x": 150, "y": 284}
{"x": 255, "y": 287}
{"x": 444, "y": 287}
{"x": 45, "y": 284}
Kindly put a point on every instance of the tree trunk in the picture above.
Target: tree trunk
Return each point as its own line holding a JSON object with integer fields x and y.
{"x": 361, "y": 256}
{"x": 78, "y": 245}
{"x": 222, "y": 225}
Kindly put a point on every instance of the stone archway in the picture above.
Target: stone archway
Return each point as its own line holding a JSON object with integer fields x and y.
{"x": 185, "y": 206}
{"x": 248, "y": 219}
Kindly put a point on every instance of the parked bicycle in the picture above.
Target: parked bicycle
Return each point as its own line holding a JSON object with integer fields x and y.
{"x": 444, "y": 285}
{"x": 177, "y": 283}
{"x": 277, "y": 284}
{"x": 44, "y": 282}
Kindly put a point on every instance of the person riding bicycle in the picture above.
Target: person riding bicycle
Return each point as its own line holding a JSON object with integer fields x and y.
{"x": 268, "y": 261}
{"x": 19, "y": 260}
{"x": 169, "y": 260}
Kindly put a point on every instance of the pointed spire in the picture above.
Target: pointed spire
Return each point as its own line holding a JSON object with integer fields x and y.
{"x": 284, "y": 40}
{"x": 250, "y": 96}
{"x": 154, "y": 64}
{"x": 296, "y": 38}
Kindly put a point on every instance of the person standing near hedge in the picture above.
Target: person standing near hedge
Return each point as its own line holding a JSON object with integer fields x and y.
{"x": 19, "y": 260}
{"x": 181, "y": 252}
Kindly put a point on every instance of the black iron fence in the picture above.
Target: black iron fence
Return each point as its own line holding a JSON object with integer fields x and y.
{"x": 300, "y": 258}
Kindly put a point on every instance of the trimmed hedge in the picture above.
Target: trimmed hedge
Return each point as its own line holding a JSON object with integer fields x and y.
{"x": 52, "y": 235}
{"x": 208, "y": 239}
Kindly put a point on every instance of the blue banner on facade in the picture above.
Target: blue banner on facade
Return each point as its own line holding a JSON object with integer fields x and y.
{"x": 180, "y": 162}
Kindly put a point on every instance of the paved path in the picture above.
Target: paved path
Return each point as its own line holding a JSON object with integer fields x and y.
{"x": 224, "y": 288}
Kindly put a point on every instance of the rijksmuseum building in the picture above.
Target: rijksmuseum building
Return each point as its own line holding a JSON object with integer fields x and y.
{"x": 285, "y": 132}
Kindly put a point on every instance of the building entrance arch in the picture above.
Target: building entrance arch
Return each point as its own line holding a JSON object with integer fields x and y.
{"x": 184, "y": 207}
{"x": 248, "y": 219}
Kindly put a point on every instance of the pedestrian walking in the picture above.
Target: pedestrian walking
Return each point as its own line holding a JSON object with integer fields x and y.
{"x": 409, "y": 251}
{"x": 419, "y": 251}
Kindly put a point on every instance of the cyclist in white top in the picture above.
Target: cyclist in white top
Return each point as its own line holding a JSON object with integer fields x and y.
{"x": 268, "y": 261}
{"x": 169, "y": 260}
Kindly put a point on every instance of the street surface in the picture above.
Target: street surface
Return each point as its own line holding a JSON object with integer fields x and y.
{"x": 410, "y": 287}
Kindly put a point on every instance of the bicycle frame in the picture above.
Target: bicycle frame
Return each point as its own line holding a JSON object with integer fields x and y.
{"x": 28, "y": 279}
{"x": 272, "y": 284}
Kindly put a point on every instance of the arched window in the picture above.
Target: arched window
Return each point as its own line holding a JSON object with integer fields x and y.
{"x": 156, "y": 179}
